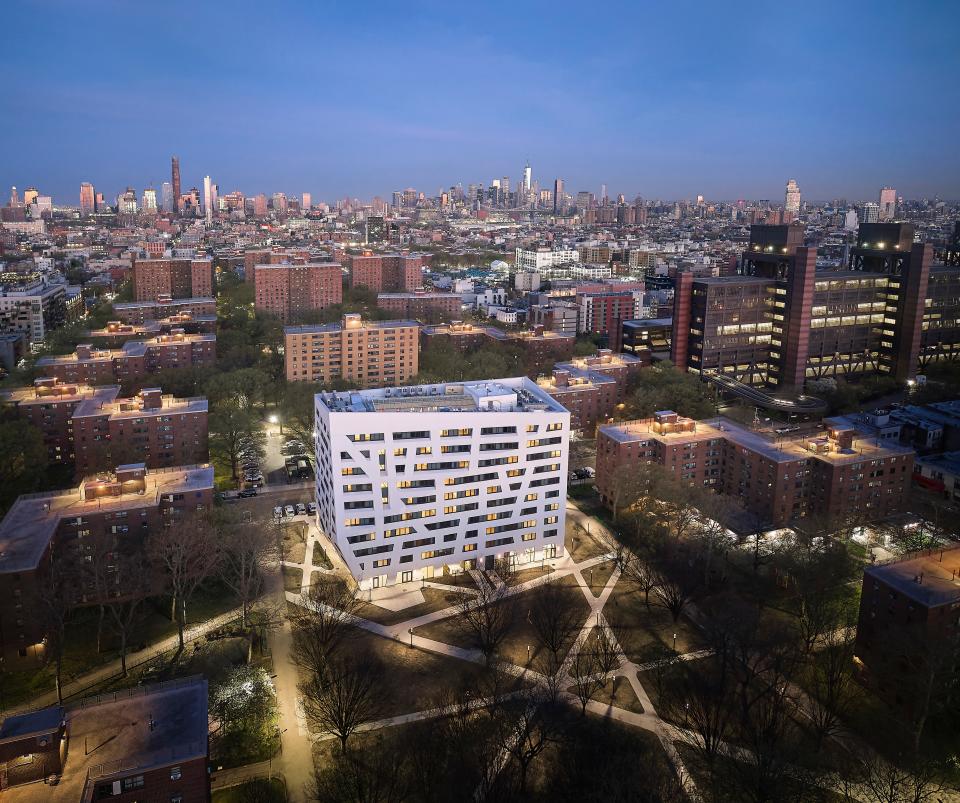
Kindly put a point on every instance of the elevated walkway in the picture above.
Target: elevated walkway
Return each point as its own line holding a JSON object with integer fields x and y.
{"x": 801, "y": 405}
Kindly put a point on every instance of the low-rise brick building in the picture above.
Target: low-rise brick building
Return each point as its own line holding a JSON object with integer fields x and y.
{"x": 139, "y": 312}
{"x": 422, "y": 305}
{"x": 143, "y": 744}
{"x": 540, "y": 344}
{"x": 831, "y": 472}
{"x": 41, "y": 528}
{"x": 135, "y": 360}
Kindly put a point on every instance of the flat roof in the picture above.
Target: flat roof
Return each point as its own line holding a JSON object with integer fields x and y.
{"x": 165, "y": 303}
{"x": 930, "y": 579}
{"x": 515, "y": 394}
{"x": 29, "y": 396}
{"x": 118, "y": 734}
{"x": 32, "y": 520}
{"x": 320, "y": 328}
{"x": 285, "y": 265}
{"x": 169, "y": 404}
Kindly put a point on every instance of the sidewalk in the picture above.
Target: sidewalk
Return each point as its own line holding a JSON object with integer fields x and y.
{"x": 78, "y": 685}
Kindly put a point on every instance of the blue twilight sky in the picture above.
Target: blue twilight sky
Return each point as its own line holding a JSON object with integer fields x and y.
{"x": 668, "y": 100}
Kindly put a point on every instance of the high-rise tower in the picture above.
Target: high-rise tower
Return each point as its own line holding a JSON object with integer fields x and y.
{"x": 888, "y": 204}
{"x": 557, "y": 195}
{"x": 792, "y": 197}
{"x": 175, "y": 180}
{"x": 207, "y": 200}
{"x": 527, "y": 178}
{"x": 88, "y": 199}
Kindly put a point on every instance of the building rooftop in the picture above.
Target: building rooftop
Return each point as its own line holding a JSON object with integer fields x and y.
{"x": 419, "y": 294}
{"x": 518, "y": 394}
{"x": 164, "y": 302}
{"x": 33, "y": 519}
{"x": 287, "y": 265}
{"x": 118, "y": 734}
{"x": 931, "y": 578}
{"x": 132, "y": 348}
{"x": 835, "y": 444}
{"x": 947, "y": 461}
{"x": 138, "y": 406}
{"x": 313, "y": 329}
{"x": 47, "y": 391}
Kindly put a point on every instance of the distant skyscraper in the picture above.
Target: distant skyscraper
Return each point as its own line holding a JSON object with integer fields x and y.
{"x": 149, "y": 204}
{"x": 260, "y": 205}
{"x": 127, "y": 202}
{"x": 792, "y": 198}
{"x": 869, "y": 213}
{"x": 557, "y": 195}
{"x": 207, "y": 199}
{"x": 603, "y": 193}
{"x": 888, "y": 204}
{"x": 166, "y": 197}
{"x": 584, "y": 200}
{"x": 376, "y": 231}
{"x": 175, "y": 179}
{"x": 306, "y": 202}
{"x": 88, "y": 199}
{"x": 30, "y": 195}
{"x": 527, "y": 179}
{"x": 101, "y": 202}
{"x": 14, "y": 198}
{"x": 397, "y": 199}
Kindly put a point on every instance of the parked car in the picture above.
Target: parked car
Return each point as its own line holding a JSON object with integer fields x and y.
{"x": 253, "y": 477}
{"x": 589, "y": 471}
{"x": 311, "y": 509}
{"x": 277, "y": 513}
{"x": 289, "y": 510}
{"x": 246, "y": 493}
{"x": 301, "y": 509}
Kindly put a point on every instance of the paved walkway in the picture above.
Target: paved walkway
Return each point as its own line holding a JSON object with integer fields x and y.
{"x": 77, "y": 686}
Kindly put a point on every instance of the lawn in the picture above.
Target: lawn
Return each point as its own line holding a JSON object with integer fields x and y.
{"x": 522, "y": 576}
{"x": 434, "y": 599}
{"x": 522, "y": 636}
{"x": 319, "y": 557}
{"x": 581, "y": 545}
{"x": 262, "y": 790}
{"x": 292, "y": 578}
{"x": 647, "y": 634}
{"x": 596, "y": 577}
{"x": 294, "y": 542}
{"x": 619, "y": 693}
{"x": 416, "y": 679}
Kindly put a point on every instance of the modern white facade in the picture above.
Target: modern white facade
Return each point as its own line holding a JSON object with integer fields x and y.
{"x": 792, "y": 197}
{"x": 415, "y": 481}
{"x": 541, "y": 258}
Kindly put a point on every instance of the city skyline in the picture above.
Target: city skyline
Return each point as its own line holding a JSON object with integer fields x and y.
{"x": 424, "y": 98}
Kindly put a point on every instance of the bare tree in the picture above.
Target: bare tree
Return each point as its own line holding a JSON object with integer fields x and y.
{"x": 54, "y": 606}
{"x": 525, "y": 731}
{"x": 187, "y": 555}
{"x": 636, "y": 570}
{"x": 831, "y": 682}
{"x": 322, "y": 622}
{"x": 553, "y": 618}
{"x": 343, "y": 694}
{"x": 245, "y": 552}
{"x": 487, "y": 617}
{"x": 586, "y": 673}
{"x": 674, "y": 590}
{"x": 876, "y": 780}
{"x": 137, "y": 581}
{"x": 608, "y": 652}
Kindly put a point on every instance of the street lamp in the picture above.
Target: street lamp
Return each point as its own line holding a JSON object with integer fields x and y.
{"x": 674, "y": 642}
{"x": 528, "y": 653}
{"x": 410, "y": 631}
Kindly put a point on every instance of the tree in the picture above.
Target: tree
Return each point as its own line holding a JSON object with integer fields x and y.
{"x": 233, "y": 425}
{"x": 23, "y": 460}
{"x": 297, "y": 409}
{"x": 245, "y": 552}
{"x": 53, "y": 610}
{"x": 322, "y": 622}
{"x": 663, "y": 387}
{"x": 830, "y": 682}
{"x": 342, "y": 694}
{"x": 187, "y": 554}
{"x": 588, "y": 677}
{"x": 554, "y": 620}
{"x": 674, "y": 589}
{"x": 637, "y": 571}
{"x": 123, "y": 580}
{"x": 487, "y": 617}
{"x": 525, "y": 731}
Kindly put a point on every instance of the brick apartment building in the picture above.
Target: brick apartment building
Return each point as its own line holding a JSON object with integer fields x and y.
{"x": 148, "y": 743}
{"x": 834, "y": 472}
{"x": 422, "y": 305}
{"x": 139, "y": 312}
{"x": 273, "y": 256}
{"x": 116, "y": 333}
{"x": 909, "y": 620}
{"x": 176, "y": 278}
{"x": 781, "y": 321}
{"x": 289, "y": 290}
{"x": 368, "y": 353}
{"x": 38, "y": 528}
{"x": 540, "y": 344}
{"x": 602, "y": 312}
{"x": 592, "y": 387}
{"x": 94, "y": 429}
{"x": 134, "y": 360}
{"x": 385, "y": 273}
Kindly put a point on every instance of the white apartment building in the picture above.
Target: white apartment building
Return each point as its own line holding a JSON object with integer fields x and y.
{"x": 415, "y": 481}
{"x": 538, "y": 259}
{"x": 33, "y": 308}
